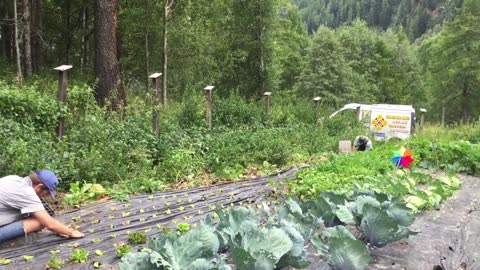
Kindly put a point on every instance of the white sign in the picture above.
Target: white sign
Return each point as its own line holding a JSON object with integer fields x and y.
{"x": 391, "y": 121}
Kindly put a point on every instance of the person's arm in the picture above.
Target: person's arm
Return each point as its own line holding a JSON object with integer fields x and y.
{"x": 55, "y": 226}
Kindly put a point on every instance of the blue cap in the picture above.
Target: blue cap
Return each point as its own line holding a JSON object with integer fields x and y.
{"x": 49, "y": 179}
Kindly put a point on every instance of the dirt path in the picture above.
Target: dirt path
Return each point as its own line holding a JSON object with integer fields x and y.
{"x": 449, "y": 238}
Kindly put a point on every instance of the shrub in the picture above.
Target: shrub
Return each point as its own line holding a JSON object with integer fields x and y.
{"x": 29, "y": 107}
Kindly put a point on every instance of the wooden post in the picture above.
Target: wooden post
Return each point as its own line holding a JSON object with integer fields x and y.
{"x": 317, "y": 108}
{"x": 422, "y": 118}
{"x": 62, "y": 97}
{"x": 267, "y": 105}
{"x": 208, "y": 92}
{"x": 156, "y": 97}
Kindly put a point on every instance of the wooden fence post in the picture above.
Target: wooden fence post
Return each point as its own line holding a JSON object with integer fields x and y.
{"x": 317, "y": 108}
{"x": 62, "y": 97}
{"x": 156, "y": 97}
{"x": 267, "y": 105}
{"x": 422, "y": 119}
{"x": 208, "y": 91}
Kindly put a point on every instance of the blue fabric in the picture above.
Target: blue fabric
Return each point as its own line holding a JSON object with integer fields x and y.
{"x": 11, "y": 231}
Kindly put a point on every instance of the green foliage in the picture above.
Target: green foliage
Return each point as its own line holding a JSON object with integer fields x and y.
{"x": 79, "y": 255}
{"x": 28, "y": 107}
{"x": 417, "y": 17}
{"x": 183, "y": 227}
{"x": 341, "y": 249}
{"x": 452, "y": 133}
{"x": 340, "y": 172}
{"x": 191, "y": 113}
{"x": 268, "y": 240}
{"x": 27, "y": 257}
{"x": 4, "y": 261}
{"x": 235, "y": 111}
{"x": 55, "y": 263}
{"x": 460, "y": 156}
{"x": 193, "y": 250}
{"x": 23, "y": 148}
{"x": 450, "y": 59}
{"x": 252, "y": 247}
{"x": 122, "y": 250}
{"x": 356, "y": 64}
{"x": 380, "y": 228}
{"x": 80, "y": 194}
{"x": 137, "y": 238}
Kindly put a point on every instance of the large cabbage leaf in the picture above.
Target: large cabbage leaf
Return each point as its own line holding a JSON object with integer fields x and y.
{"x": 341, "y": 249}
{"x": 197, "y": 249}
{"x": 259, "y": 248}
{"x": 380, "y": 228}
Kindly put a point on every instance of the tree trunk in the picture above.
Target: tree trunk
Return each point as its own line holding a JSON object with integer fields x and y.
{"x": 107, "y": 69}
{"x": 6, "y": 32}
{"x": 37, "y": 56}
{"x": 261, "y": 41}
{"x": 17, "y": 46}
{"x": 84, "y": 57}
{"x": 147, "y": 54}
{"x": 166, "y": 12}
{"x": 466, "y": 97}
{"x": 27, "y": 46}
{"x": 68, "y": 36}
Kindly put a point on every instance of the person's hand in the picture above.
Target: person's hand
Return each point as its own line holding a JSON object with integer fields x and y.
{"x": 76, "y": 234}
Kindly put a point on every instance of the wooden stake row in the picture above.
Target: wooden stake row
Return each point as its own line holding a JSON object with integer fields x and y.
{"x": 62, "y": 98}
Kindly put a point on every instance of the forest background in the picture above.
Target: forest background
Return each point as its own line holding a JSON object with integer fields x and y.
{"x": 423, "y": 52}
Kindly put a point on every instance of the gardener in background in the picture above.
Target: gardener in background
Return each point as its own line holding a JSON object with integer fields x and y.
{"x": 362, "y": 143}
{"x": 21, "y": 210}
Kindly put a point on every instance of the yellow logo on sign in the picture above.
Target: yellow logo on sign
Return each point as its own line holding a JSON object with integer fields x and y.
{"x": 379, "y": 122}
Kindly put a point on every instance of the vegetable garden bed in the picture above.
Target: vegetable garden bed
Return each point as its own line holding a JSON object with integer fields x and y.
{"x": 107, "y": 225}
{"x": 449, "y": 237}
{"x": 446, "y": 239}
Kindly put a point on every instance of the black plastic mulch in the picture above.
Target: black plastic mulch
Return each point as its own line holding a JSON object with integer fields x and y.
{"x": 109, "y": 222}
{"x": 449, "y": 238}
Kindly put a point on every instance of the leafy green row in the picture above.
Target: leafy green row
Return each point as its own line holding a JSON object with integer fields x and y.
{"x": 420, "y": 191}
{"x": 454, "y": 156}
{"x": 272, "y": 239}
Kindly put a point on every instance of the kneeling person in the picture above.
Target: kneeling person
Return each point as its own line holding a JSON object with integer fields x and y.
{"x": 21, "y": 210}
{"x": 362, "y": 143}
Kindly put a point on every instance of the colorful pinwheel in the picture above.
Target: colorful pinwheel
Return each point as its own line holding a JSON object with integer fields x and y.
{"x": 402, "y": 157}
